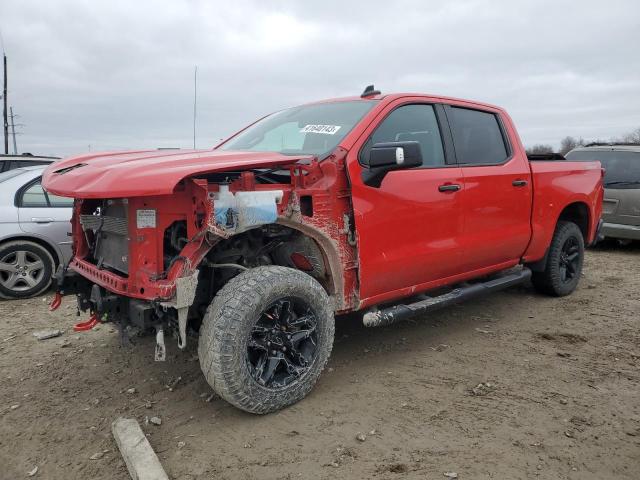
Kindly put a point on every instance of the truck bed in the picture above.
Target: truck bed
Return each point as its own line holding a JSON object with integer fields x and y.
{"x": 553, "y": 183}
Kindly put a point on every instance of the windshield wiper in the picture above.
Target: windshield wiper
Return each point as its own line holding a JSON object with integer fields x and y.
{"x": 623, "y": 182}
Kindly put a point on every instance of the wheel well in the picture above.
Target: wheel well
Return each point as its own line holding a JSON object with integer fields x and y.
{"x": 43, "y": 243}
{"x": 577, "y": 213}
{"x": 272, "y": 244}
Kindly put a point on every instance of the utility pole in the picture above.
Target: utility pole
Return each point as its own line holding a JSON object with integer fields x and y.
{"x": 195, "y": 100}
{"x": 13, "y": 130}
{"x": 4, "y": 108}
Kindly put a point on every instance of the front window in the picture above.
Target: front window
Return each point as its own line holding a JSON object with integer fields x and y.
{"x": 622, "y": 168}
{"x": 306, "y": 130}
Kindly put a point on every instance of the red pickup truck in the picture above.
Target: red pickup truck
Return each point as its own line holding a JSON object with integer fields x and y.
{"x": 388, "y": 204}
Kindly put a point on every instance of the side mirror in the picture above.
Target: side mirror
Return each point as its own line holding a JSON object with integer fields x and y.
{"x": 384, "y": 157}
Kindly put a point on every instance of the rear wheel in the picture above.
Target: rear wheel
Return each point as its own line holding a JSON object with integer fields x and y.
{"x": 26, "y": 269}
{"x": 266, "y": 337}
{"x": 563, "y": 267}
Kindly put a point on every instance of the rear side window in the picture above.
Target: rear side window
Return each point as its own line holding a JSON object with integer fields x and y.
{"x": 34, "y": 196}
{"x": 477, "y": 136}
{"x": 408, "y": 123}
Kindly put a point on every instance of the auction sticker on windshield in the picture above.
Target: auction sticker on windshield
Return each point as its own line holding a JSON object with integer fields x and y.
{"x": 324, "y": 129}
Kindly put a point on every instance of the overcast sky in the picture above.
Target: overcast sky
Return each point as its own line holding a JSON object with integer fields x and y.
{"x": 119, "y": 74}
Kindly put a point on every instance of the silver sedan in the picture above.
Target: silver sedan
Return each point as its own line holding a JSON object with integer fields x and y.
{"x": 34, "y": 233}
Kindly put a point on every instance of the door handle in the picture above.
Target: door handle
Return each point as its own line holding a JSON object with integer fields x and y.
{"x": 519, "y": 183}
{"x": 449, "y": 187}
{"x": 41, "y": 219}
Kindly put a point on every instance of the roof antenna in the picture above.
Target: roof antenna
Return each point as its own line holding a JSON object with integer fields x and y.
{"x": 195, "y": 103}
{"x": 370, "y": 91}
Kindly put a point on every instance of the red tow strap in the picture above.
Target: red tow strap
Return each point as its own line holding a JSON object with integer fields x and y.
{"x": 88, "y": 325}
{"x": 55, "y": 302}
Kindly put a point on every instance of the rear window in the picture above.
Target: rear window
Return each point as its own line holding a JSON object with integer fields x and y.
{"x": 477, "y": 137}
{"x": 622, "y": 168}
{"x": 4, "y": 176}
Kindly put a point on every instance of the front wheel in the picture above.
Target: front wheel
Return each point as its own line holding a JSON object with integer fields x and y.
{"x": 563, "y": 266}
{"x": 266, "y": 337}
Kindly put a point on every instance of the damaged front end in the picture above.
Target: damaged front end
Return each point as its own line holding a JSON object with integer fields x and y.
{"x": 121, "y": 270}
{"x": 155, "y": 262}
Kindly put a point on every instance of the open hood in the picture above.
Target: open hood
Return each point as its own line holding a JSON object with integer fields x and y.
{"x": 147, "y": 172}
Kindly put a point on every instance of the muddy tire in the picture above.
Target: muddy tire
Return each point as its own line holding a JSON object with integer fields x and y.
{"x": 563, "y": 267}
{"x": 26, "y": 269}
{"x": 266, "y": 338}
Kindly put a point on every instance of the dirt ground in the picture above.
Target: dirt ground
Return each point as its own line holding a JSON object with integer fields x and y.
{"x": 559, "y": 397}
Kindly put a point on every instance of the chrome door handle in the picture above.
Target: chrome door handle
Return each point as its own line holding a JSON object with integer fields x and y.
{"x": 519, "y": 183}
{"x": 449, "y": 187}
{"x": 41, "y": 219}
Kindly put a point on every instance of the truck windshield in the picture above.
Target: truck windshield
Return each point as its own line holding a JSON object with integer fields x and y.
{"x": 306, "y": 130}
{"x": 622, "y": 168}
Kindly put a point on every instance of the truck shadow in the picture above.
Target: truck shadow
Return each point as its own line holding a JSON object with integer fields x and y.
{"x": 613, "y": 245}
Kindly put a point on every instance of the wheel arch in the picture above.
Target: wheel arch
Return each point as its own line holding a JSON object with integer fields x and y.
{"x": 334, "y": 283}
{"x": 578, "y": 213}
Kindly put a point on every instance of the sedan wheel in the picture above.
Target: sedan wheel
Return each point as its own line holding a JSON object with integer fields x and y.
{"x": 25, "y": 269}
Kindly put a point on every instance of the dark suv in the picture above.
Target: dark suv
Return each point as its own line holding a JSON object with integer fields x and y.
{"x": 9, "y": 162}
{"x": 621, "y": 207}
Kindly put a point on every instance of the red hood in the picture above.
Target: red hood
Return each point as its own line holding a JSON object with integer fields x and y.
{"x": 147, "y": 172}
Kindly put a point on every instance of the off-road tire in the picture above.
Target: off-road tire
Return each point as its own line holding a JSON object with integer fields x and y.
{"x": 549, "y": 281}
{"x": 34, "y": 251}
{"x": 228, "y": 323}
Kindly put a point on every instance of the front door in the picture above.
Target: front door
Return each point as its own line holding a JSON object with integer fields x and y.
{"x": 409, "y": 228}
{"x": 46, "y": 215}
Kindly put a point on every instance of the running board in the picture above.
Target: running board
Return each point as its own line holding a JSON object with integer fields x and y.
{"x": 396, "y": 313}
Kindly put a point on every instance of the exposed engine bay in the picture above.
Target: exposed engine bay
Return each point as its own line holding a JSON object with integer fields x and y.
{"x": 108, "y": 247}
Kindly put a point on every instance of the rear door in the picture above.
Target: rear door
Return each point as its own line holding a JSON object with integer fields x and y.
{"x": 410, "y": 226}
{"x": 498, "y": 194}
{"x": 46, "y": 215}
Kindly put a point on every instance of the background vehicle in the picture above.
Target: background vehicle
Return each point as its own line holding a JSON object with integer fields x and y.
{"x": 34, "y": 233}
{"x": 621, "y": 205}
{"x": 337, "y": 206}
{"x": 9, "y": 162}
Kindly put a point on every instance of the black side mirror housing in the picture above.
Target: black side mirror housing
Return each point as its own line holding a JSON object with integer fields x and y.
{"x": 384, "y": 157}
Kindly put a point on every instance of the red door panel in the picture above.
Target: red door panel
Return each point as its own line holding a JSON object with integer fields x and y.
{"x": 497, "y": 197}
{"x": 408, "y": 231}
{"x": 497, "y": 213}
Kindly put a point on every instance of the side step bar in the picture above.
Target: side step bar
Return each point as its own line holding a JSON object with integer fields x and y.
{"x": 396, "y": 313}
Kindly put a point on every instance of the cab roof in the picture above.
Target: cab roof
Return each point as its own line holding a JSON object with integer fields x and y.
{"x": 390, "y": 97}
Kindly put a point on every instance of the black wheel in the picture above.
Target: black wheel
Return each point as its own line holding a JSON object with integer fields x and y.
{"x": 266, "y": 337}
{"x": 25, "y": 269}
{"x": 564, "y": 262}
